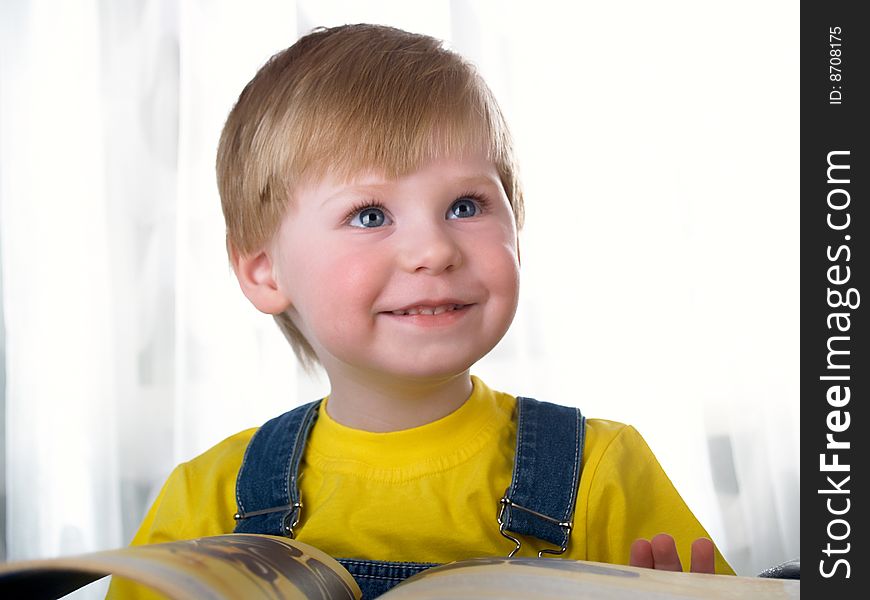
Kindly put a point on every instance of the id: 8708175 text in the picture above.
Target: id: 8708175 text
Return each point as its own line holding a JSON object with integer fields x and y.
{"x": 835, "y": 65}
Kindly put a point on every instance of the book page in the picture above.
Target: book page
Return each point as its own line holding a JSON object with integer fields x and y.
{"x": 556, "y": 579}
{"x": 212, "y": 568}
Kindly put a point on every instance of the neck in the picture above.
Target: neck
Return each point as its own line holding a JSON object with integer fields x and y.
{"x": 382, "y": 404}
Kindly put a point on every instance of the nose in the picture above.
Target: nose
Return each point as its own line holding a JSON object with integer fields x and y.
{"x": 430, "y": 249}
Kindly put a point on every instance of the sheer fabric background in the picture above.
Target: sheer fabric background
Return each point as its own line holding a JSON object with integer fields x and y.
{"x": 660, "y": 256}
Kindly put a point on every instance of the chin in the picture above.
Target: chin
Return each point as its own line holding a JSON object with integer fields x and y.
{"x": 408, "y": 367}
{"x": 424, "y": 372}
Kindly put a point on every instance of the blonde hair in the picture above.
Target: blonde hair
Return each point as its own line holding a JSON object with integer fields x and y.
{"x": 342, "y": 100}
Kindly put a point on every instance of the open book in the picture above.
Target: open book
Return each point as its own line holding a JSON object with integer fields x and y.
{"x": 255, "y": 567}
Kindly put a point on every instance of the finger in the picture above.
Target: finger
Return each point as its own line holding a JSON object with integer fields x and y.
{"x": 702, "y": 556}
{"x": 664, "y": 552}
{"x": 641, "y": 554}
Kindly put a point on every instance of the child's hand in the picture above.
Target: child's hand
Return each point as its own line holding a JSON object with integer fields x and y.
{"x": 661, "y": 553}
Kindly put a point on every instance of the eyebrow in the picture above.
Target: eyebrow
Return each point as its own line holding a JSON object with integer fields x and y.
{"x": 348, "y": 190}
{"x": 479, "y": 179}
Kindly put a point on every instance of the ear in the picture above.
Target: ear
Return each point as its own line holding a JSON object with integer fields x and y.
{"x": 257, "y": 281}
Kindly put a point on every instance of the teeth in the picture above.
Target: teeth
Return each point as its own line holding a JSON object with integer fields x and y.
{"x": 425, "y": 310}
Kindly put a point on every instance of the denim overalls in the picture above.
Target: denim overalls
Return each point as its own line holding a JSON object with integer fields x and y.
{"x": 539, "y": 502}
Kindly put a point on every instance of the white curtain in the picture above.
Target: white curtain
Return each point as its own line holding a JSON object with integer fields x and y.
{"x": 660, "y": 257}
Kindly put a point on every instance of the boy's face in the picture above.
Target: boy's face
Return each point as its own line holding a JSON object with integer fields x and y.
{"x": 350, "y": 257}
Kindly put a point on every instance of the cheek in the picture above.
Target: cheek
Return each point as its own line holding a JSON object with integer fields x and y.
{"x": 506, "y": 289}
{"x": 497, "y": 260}
{"x": 347, "y": 286}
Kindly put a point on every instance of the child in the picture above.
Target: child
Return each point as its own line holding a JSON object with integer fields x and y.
{"x": 372, "y": 205}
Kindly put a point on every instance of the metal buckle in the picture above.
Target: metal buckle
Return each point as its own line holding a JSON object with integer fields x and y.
{"x": 506, "y": 502}
{"x": 297, "y": 512}
{"x": 296, "y": 507}
{"x": 501, "y": 524}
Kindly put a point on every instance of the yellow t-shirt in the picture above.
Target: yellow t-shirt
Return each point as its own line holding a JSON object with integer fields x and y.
{"x": 431, "y": 493}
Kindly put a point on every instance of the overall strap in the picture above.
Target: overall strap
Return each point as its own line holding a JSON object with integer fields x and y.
{"x": 543, "y": 492}
{"x": 267, "y": 487}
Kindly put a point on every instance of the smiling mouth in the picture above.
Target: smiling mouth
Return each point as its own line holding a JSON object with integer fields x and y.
{"x": 429, "y": 310}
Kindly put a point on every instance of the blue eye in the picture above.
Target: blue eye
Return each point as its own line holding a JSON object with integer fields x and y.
{"x": 369, "y": 217}
{"x": 462, "y": 208}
